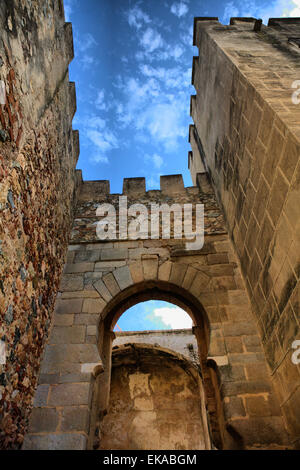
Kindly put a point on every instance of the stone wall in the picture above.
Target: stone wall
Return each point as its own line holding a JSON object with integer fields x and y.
{"x": 38, "y": 154}
{"x": 246, "y": 130}
{"x": 182, "y": 341}
{"x": 155, "y": 402}
{"x": 102, "y": 279}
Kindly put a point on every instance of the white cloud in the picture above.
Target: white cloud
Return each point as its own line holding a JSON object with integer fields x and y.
{"x": 136, "y": 17}
{"x": 82, "y": 44}
{"x": 96, "y": 134}
{"x": 296, "y": 10}
{"x": 103, "y": 140}
{"x": 153, "y": 111}
{"x": 68, "y": 6}
{"x": 187, "y": 36}
{"x": 100, "y": 101}
{"x": 86, "y": 61}
{"x": 151, "y": 40}
{"x": 179, "y": 9}
{"x": 164, "y": 123}
{"x": 85, "y": 42}
{"x": 155, "y": 160}
{"x": 174, "y": 77}
{"x": 173, "y": 317}
{"x": 229, "y": 11}
{"x": 280, "y": 8}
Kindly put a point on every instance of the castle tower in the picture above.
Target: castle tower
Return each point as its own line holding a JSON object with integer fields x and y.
{"x": 246, "y": 133}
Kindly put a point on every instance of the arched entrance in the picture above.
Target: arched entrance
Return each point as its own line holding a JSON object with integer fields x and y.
{"x": 158, "y": 290}
{"x": 72, "y": 397}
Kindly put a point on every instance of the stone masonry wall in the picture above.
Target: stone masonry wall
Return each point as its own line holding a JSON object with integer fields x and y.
{"x": 38, "y": 154}
{"x": 247, "y": 131}
{"x": 102, "y": 277}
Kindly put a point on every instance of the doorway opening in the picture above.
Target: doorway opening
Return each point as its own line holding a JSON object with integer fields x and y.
{"x": 157, "y": 398}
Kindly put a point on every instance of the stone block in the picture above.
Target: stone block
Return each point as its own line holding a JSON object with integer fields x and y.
{"x": 150, "y": 267}
{"x": 86, "y": 319}
{"x": 137, "y": 253}
{"x": 252, "y": 343}
{"x": 257, "y": 371}
{"x": 71, "y": 282}
{"x": 234, "y": 408}
{"x": 91, "y": 330}
{"x": 75, "y": 418}
{"x": 87, "y": 256}
{"x": 43, "y": 420}
{"x": 63, "y": 320}
{"x": 70, "y": 394}
{"x": 114, "y": 254}
{"x": 238, "y": 297}
{"x": 82, "y": 294}
{"x": 177, "y": 273}
{"x": 258, "y": 406}
{"x": 93, "y": 305}
{"x": 217, "y": 258}
{"x": 239, "y": 328}
{"x": 234, "y": 344}
{"x": 243, "y": 387}
{"x": 189, "y": 277}
{"x": 70, "y": 306}
{"x": 123, "y": 277}
{"x": 67, "y": 334}
{"x": 78, "y": 268}
{"x": 200, "y": 283}
{"x": 41, "y": 395}
{"x": 111, "y": 283}
{"x": 48, "y": 379}
{"x": 164, "y": 271}
{"x": 136, "y": 271}
{"x": 260, "y": 431}
{"x": 102, "y": 290}
{"x": 55, "y": 442}
{"x": 108, "y": 265}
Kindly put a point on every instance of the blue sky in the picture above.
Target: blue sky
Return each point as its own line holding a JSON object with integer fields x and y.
{"x": 154, "y": 315}
{"x": 132, "y": 69}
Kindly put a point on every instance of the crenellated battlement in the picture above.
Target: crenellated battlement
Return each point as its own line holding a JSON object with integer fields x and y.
{"x": 170, "y": 185}
{"x": 244, "y": 24}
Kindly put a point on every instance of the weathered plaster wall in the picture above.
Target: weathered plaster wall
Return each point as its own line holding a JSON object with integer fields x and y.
{"x": 155, "y": 402}
{"x": 38, "y": 154}
{"x": 247, "y": 131}
{"x": 182, "y": 341}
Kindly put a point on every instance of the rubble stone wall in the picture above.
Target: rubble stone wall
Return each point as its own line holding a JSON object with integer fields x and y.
{"x": 38, "y": 154}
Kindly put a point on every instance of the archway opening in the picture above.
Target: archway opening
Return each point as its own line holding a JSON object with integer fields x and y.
{"x": 154, "y": 315}
{"x": 179, "y": 297}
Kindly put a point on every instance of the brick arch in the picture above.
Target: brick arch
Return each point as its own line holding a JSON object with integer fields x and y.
{"x": 102, "y": 280}
{"x": 157, "y": 289}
